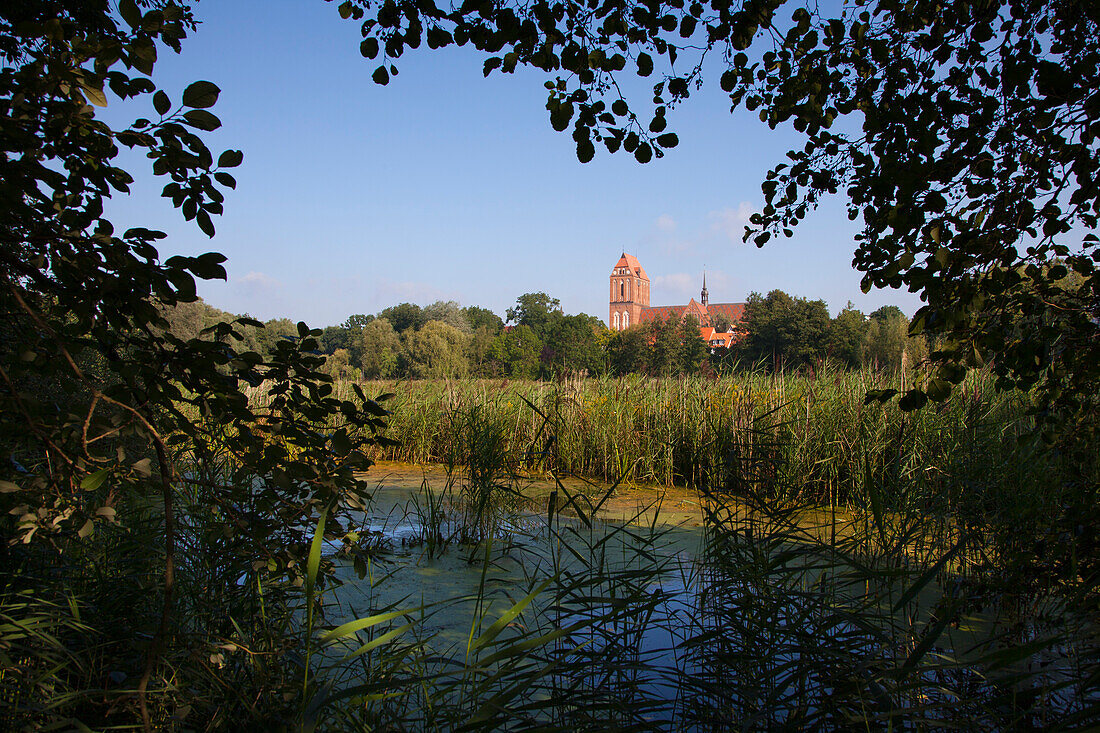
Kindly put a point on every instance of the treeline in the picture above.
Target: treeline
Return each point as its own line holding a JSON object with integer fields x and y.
{"x": 444, "y": 339}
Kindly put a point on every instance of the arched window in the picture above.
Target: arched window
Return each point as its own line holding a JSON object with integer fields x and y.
{"x": 622, "y": 290}
{"x": 626, "y": 320}
{"x": 616, "y": 321}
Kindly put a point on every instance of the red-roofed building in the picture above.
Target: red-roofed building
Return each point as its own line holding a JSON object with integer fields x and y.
{"x": 629, "y": 304}
{"x": 717, "y": 339}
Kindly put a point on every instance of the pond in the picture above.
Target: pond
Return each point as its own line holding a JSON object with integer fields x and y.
{"x": 657, "y": 607}
{"x": 403, "y": 566}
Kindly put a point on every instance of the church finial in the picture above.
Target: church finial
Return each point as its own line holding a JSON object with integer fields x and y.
{"x": 703, "y": 296}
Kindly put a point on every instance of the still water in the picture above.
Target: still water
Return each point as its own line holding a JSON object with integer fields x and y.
{"x": 677, "y": 624}
{"x": 402, "y": 569}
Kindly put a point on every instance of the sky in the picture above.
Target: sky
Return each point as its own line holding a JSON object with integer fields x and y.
{"x": 445, "y": 185}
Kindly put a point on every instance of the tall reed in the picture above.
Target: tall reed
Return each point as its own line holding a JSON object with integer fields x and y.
{"x": 825, "y": 443}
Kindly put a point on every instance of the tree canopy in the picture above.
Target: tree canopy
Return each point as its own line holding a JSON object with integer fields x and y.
{"x": 108, "y": 418}
{"x": 969, "y": 162}
{"x": 536, "y": 310}
{"x": 785, "y": 331}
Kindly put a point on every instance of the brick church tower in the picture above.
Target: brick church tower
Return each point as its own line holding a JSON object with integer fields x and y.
{"x": 629, "y": 293}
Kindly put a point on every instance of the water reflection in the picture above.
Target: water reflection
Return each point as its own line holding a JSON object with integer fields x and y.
{"x": 669, "y": 611}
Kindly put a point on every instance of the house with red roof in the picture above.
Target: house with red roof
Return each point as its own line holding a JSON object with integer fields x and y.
{"x": 629, "y": 305}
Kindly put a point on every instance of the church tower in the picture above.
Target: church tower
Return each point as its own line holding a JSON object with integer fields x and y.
{"x": 704, "y": 297}
{"x": 629, "y": 293}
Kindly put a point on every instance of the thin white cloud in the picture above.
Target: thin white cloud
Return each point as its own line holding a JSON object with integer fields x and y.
{"x": 667, "y": 238}
{"x": 718, "y": 283}
{"x": 731, "y": 222}
{"x": 391, "y": 292}
{"x": 677, "y": 287}
{"x": 259, "y": 281}
{"x": 677, "y": 284}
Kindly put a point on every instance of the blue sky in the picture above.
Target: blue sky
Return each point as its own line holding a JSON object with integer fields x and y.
{"x": 446, "y": 185}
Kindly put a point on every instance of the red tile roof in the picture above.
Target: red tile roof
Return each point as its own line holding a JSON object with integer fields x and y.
{"x": 716, "y": 339}
{"x": 734, "y": 311}
{"x": 631, "y": 262}
{"x": 696, "y": 309}
{"x": 662, "y": 312}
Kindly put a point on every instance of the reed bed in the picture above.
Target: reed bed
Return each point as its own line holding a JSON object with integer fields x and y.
{"x": 816, "y": 435}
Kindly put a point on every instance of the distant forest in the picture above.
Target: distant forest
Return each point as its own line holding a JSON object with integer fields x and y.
{"x": 536, "y": 340}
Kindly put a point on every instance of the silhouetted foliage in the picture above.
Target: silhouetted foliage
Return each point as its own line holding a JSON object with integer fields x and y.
{"x": 157, "y": 468}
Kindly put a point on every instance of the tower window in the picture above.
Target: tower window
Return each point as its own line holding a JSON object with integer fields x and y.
{"x": 616, "y": 321}
{"x": 622, "y": 291}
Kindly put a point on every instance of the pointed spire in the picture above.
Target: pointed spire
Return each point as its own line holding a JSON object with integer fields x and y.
{"x": 704, "y": 298}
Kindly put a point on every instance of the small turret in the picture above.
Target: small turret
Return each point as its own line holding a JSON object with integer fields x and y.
{"x": 704, "y": 299}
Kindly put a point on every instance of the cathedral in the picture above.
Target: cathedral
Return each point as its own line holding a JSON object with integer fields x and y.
{"x": 629, "y": 304}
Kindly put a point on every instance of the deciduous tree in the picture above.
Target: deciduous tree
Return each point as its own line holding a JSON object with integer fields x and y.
{"x": 571, "y": 345}
{"x": 111, "y": 423}
{"x": 449, "y": 312}
{"x": 782, "y": 331}
{"x": 436, "y": 351}
{"x": 847, "y": 336}
{"x": 627, "y": 351}
{"x": 516, "y": 353}
{"x": 664, "y": 346}
{"x": 404, "y": 316}
{"x": 535, "y": 310}
{"x": 479, "y": 317}
{"x": 380, "y": 349}
{"x": 693, "y": 349}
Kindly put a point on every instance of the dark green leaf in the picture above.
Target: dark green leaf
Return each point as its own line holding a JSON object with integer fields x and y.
{"x": 585, "y": 150}
{"x": 200, "y": 95}
{"x": 161, "y": 103}
{"x": 93, "y": 481}
{"x": 129, "y": 11}
{"x": 203, "y": 220}
{"x": 878, "y": 395}
{"x": 230, "y": 159}
{"x": 202, "y": 120}
{"x": 668, "y": 140}
{"x": 914, "y": 399}
{"x": 938, "y": 390}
